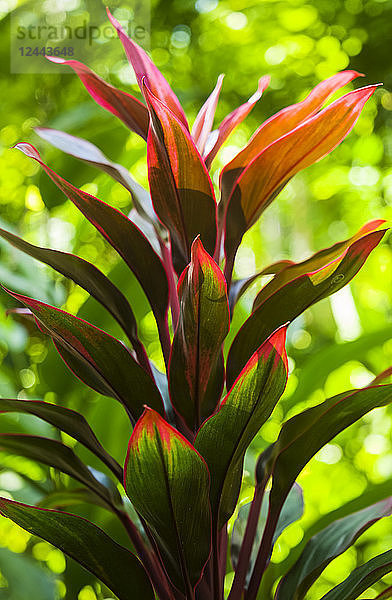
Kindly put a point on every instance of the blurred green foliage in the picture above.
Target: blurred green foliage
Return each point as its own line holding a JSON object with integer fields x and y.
{"x": 338, "y": 344}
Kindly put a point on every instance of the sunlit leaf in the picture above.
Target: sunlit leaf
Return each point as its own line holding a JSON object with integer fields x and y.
{"x": 167, "y": 482}
{"x": 224, "y": 438}
{"x": 126, "y": 107}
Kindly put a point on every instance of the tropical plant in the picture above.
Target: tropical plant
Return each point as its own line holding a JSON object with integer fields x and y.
{"x": 184, "y": 464}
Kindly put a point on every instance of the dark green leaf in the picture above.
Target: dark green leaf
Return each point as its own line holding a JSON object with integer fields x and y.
{"x": 67, "y": 420}
{"x": 93, "y": 353}
{"x": 327, "y": 545}
{"x": 362, "y": 578}
{"x": 54, "y": 454}
{"x": 118, "y": 568}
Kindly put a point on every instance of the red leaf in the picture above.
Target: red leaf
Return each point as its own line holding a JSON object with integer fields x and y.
{"x": 196, "y": 373}
{"x": 280, "y": 124}
{"x": 229, "y": 123}
{"x": 126, "y": 107}
{"x": 145, "y": 69}
{"x": 261, "y": 181}
{"x": 205, "y": 117}
{"x": 181, "y": 189}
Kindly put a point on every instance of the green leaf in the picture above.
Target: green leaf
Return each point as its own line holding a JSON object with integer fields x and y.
{"x": 292, "y": 510}
{"x": 93, "y": 353}
{"x": 295, "y": 296}
{"x": 67, "y": 420}
{"x": 115, "y": 566}
{"x": 196, "y": 374}
{"x": 224, "y": 438}
{"x": 362, "y": 578}
{"x": 54, "y": 454}
{"x": 61, "y": 499}
{"x": 121, "y": 233}
{"x": 167, "y": 481}
{"x": 88, "y": 277}
{"x": 181, "y": 188}
{"x": 327, "y": 545}
{"x": 301, "y": 437}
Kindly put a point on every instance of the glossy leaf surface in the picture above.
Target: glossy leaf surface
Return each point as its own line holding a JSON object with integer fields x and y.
{"x": 167, "y": 482}
{"x": 301, "y": 437}
{"x": 196, "y": 357}
{"x": 218, "y": 137}
{"x": 281, "y": 123}
{"x": 362, "y": 578}
{"x": 89, "y": 153}
{"x": 118, "y": 568}
{"x": 205, "y": 117}
{"x": 224, "y": 438}
{"x": 87, "y": 276}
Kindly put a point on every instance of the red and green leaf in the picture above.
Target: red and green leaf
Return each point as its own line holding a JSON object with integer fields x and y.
{"x": 129, "y": 109}
{"x": 327, "y": 545}
{"x": 205, "y": 117}
{"x": 167, "y": 482}
{"x": 145, "y": 69}
{"x": 281, "y": 123}
{"x": 300, "y": 438}
{"x": 295, "y": 296}
{"x": 121, "y": 233}
{"x": 181, "y": 189}
{"x": 67, "y": 420}
{"x": 224, "y": 438}
{"x": 97, "y": 355}
{"x": 115, "y": 566}
{"x": 90, "y": 279}
{"x": 196, "y": 373}
{"x": 261, "y": 181}
{"x": 218, "y": 137}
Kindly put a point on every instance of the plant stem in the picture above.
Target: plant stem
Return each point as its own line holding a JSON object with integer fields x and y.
{"x": 164, "y": 336}
{"x": 247, "y": 543}
{"x": 173, "y": 295}
{"x": 262, "y": 556}
{"x": 145, "y": 557}
{"x": 216, "y": 570}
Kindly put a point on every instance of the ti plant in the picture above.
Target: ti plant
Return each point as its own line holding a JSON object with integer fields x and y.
{"x": 192, "y": 426}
